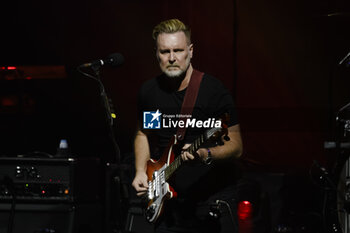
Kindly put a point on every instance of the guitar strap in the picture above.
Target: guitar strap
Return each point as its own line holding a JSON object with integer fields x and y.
{"x": 189, "y": 100}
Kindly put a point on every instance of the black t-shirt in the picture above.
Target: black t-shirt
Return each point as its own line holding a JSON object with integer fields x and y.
{"x": 213, "y": 100}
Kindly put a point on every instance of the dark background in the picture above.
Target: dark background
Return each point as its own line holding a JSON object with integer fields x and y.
{"x": 279, "y": 59}
{"x": 282, "y": 72}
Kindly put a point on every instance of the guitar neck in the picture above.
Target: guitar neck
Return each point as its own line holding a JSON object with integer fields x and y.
{"x": 178, "y": 161}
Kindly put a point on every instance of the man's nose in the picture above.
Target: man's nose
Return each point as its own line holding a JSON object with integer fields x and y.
{"x": 172, "y": 58}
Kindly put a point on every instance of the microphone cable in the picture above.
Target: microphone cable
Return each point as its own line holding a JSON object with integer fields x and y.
{"x": 8, "y": 182}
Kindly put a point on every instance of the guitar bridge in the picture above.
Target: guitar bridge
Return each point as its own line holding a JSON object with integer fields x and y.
{"x": 155, "y": 186}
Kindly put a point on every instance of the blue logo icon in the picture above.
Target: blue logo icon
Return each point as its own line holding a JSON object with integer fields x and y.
{"x": 151, "y": 120}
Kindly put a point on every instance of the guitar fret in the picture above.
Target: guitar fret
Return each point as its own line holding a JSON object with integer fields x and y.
{"x": 197, "y": 144}
{"x": 192, "y": 149}
{"x": 172, "y": 167}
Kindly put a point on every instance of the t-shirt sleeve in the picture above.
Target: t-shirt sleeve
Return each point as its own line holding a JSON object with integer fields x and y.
{"x": 227, "y": 104}
{"x": 223, "y": 103}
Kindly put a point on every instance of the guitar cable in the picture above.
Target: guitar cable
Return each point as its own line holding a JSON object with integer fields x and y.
{"x": 216, "y": 213}
{"x": 8, "y": 183}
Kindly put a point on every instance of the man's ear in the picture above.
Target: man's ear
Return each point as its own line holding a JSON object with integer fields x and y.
{"x": 156, "y": 51}
{"x": 191, "y": 50}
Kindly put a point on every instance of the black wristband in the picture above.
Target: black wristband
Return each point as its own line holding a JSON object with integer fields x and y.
{"x": 209, "y": 158}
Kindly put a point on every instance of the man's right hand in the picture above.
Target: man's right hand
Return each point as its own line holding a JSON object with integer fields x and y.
{"x": 140, "y": 183}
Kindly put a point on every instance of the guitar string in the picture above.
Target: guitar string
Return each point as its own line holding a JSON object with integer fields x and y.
{"x": 194, "y": 147}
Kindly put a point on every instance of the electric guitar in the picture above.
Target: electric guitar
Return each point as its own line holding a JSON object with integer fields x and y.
{"x": 159, "y": 172}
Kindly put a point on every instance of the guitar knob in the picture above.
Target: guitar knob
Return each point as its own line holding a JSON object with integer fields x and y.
{"x": 150, "y": 211}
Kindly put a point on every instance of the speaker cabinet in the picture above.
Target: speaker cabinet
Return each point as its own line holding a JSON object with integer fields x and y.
{"x": 51, "y": 218}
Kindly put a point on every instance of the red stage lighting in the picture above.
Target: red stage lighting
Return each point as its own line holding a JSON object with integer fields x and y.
{"x": 245, "y": 210}
{"x": 8, "y": 101}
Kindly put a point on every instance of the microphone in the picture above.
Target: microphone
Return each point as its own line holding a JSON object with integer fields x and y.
{"x": 115, "y": 59}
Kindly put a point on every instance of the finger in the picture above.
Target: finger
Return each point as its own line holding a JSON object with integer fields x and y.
{"x": 144, "y": 184}
{"x": 189, "y": 156}
{"x": 141, "y": 190}
{"x": 140, "y": 194}
{"x": 183, "y": 157}
{"x": 139, "y": 185}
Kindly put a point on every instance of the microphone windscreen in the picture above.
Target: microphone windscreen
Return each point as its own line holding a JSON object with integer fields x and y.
{"x": 115, "y": 59}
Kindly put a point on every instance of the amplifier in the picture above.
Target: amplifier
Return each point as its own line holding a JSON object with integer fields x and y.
{"x": 49, "y": 179}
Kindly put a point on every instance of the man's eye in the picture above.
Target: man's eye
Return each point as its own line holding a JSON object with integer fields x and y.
{"x": 164, "y": 51}
{"x": 178, "y": 50}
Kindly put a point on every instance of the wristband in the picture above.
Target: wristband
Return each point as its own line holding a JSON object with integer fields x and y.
{"x": 209, "y": 158}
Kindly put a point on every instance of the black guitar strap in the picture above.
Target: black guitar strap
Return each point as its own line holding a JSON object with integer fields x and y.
{"x": 189, "y": 100}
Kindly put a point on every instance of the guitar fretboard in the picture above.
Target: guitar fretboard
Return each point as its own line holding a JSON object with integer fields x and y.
{"x": 178, "y": 161}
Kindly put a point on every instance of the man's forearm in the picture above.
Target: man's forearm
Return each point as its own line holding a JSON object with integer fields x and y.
{"x": 142, "y": 151}
{"x": 230, "y": 150}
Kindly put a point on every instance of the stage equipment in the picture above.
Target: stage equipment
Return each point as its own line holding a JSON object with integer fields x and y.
{"x": 115, "y": 59}
{"x": 337, "y": 197}
{"x": 50, "y": 195}
{"x": 345, "y": 60}
{"x": 49, "y": 179}
{"x": 136, "y": 221}
{"x": 118, "y": 178}
{"x": 52, "y": 218}
{"x": 32, "y": 72}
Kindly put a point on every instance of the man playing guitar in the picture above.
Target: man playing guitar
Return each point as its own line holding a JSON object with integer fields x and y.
{"x": 207, "y": 176}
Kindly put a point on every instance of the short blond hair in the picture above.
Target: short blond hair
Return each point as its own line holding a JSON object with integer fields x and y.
{"x": 171, "y": 26}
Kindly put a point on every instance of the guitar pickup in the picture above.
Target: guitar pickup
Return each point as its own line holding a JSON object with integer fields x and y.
{"x": 155, "y": 184}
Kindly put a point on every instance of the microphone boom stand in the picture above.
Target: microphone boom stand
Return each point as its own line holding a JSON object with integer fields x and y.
{"x": 107, "y": 107}
{"x": 109, "y": 114}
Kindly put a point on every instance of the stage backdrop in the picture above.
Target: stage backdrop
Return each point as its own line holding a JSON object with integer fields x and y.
{"x": 282, "y": 71}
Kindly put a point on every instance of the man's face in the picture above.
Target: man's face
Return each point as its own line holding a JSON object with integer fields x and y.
{"x": 173, "y": 53}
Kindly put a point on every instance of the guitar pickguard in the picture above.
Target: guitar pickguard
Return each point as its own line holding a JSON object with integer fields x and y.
{"x": 158, "y": 191}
